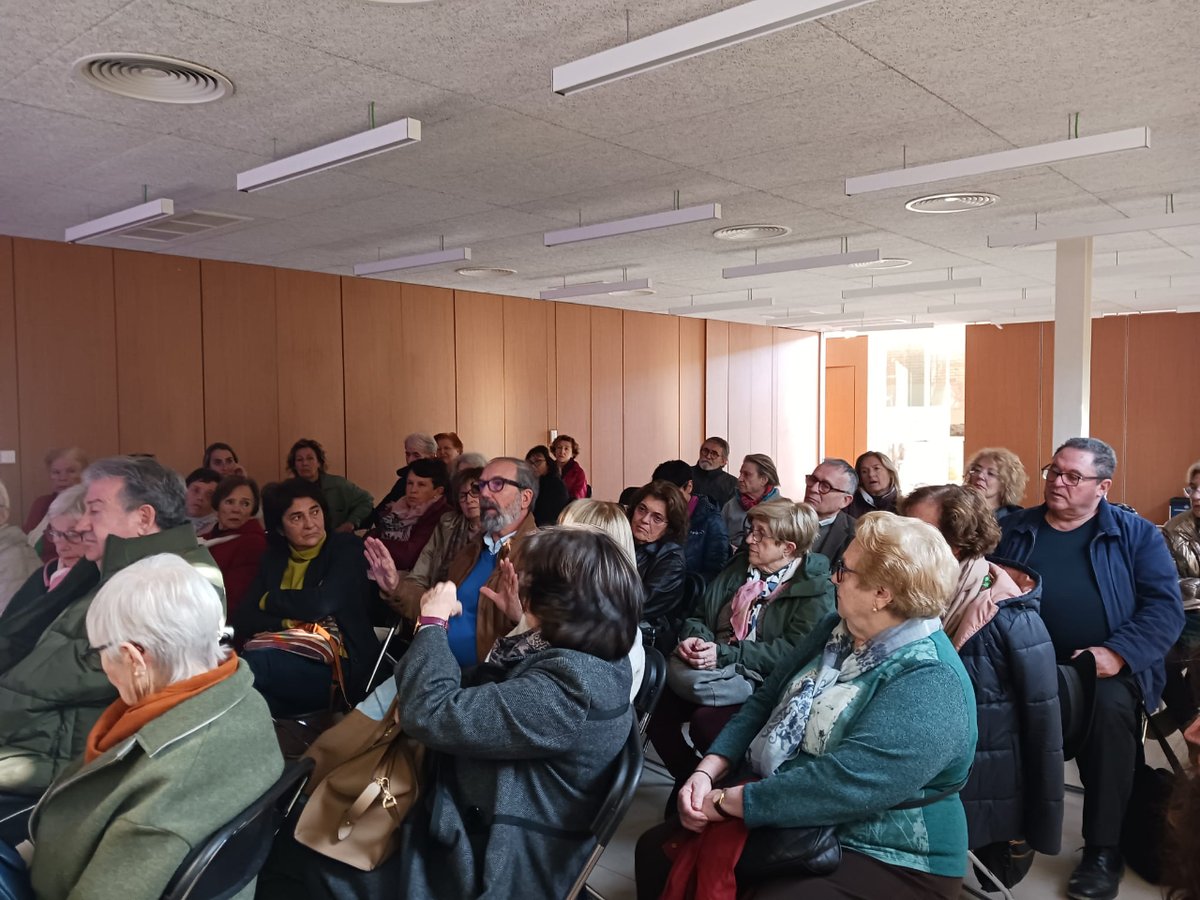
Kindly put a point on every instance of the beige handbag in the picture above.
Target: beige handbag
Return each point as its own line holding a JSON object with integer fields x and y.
{"x": 364, "y": 783}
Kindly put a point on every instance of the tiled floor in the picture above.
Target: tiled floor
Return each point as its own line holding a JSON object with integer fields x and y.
{"x": 613, "y": 877}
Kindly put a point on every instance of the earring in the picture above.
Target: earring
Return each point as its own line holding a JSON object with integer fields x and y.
{"x": 874, "y": 607}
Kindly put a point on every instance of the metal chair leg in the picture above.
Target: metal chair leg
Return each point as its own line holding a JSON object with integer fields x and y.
{"x": 987, "y": 873}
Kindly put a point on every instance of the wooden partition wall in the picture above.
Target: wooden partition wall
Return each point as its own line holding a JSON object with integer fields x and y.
{"x": 1140, "y": 391}
{"x": 120, "y": 351}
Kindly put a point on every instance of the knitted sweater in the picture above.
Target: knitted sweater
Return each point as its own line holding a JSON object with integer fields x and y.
{"x": 906, "y": 731}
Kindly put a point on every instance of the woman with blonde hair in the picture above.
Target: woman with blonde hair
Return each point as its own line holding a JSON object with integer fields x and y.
{"x": 878, "y": 485}
{"x": 997, "y": 473}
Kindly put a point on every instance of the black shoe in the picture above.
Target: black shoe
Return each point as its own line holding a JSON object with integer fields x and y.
{"x": 1098, "y": 875}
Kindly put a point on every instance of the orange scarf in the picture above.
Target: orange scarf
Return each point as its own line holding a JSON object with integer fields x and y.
{"x": 121, "y": 720}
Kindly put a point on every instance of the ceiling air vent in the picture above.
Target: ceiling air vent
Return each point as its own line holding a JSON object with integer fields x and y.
{"x": 751, "y": 232}
{"x": 485, "y": 272}
{"x": 159, "y": 79}
{"x": 951, "y": 203}
{"x": 176, "y": 228}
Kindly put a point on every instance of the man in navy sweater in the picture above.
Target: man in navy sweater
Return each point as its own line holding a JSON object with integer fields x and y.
{"x": 1109, "y": 588}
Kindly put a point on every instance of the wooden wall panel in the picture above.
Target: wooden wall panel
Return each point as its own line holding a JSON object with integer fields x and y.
{"x": 526, "y": 393}
{"x": 10, "y": 433}
{"x": 716, "y": 380}
{"x": 67, "y": 353}
{"x": 160, "y": 370}
{"x": 762, "y": 391}
{"x": 691, "y": 388}
{"x": 551, "y": 366}
{"x": 1045, "y": 415}
{"x": 425, "y": 366}
{"x": 651, "y": 393}
{"x": 840, "y": 391}
{"x": 479, "y": 337}
{"x": 849, "y": 415}
{"x": 241, "y": 396}
{"x": 573, "y": 370}
{"x": 1110, "y": 371}
{"x": 607, "y": 469}
{"x": 740, "y": 390}
{"x": 797, "y": 407}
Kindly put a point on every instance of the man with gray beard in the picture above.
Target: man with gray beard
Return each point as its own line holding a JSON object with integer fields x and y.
{"x": 507, "y": 491}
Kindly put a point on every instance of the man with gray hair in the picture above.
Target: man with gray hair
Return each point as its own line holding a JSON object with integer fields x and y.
{"x": 52, "y": 696}
{"x": 1110, "y": 600}
{"x": 829, "y": 490}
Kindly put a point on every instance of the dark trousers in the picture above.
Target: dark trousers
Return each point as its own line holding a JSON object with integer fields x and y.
{"x": 291, "y": 684}
{"x": 15, "y": 810}
{"x": 1108, "y": 757}
{"x": 859, "y": 877}
{"x": 666, "y": 731}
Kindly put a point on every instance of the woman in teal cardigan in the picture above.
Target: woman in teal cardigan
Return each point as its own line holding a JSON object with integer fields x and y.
{"x": 872, "y": 712}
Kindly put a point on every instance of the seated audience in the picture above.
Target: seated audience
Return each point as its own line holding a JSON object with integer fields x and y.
{"x": 449, "y": 447}
{"x": 222, "y": 459}
{"x": 768, "y": 599}
{"x": 201, "y": 484}
{"x": 406, "y": 525}
{"x": 997, "y": 473}
{"x": 658, "y": 516}
{"x": 17, "y": 558}
{"x": 565, "y": 450}
{"x": 237, "y": 541}
{"x": 1182, "y": 532}
{"x": 183, "y": 748}
{"x": 707, "y": 545}
{"x": 1016, "y": 787}
{"x": 416, "y": 446}
{"x": 304, "y": 621}
{"x": 456, "y": 529}
{"x": 349, "y": 505}
{"x": 709, "y": 476}
{"x": 867, "y": 726}
{"x": 65, "y": 468}
{"x": 829, "y": 490}
{"x": 552, "y": 491}
{"x": 757, "y": 482}
{"x": 878, "y": 484}
{"x": 63, "y": 515}
{"x": 53, "y": 687}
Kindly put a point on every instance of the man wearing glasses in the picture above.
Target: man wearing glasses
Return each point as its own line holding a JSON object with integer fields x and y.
{"x": 829, "y": 490}
{"x": 1109, "y": 589}
{"x": 709, "y": 478}
{"x": 507, "y": 491}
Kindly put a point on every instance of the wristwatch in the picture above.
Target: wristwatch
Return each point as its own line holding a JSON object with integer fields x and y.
{"x": 720, "y": 798}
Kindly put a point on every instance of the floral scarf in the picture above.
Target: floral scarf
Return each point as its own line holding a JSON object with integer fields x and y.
{"x": 513, "y": 648}
{"x": 753, "y": 596}
{"x": 396, "y": 524}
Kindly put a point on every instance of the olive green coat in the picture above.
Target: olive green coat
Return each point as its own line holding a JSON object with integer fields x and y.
{"x": 118, "y": 827}
{"x": 52, "y": 697}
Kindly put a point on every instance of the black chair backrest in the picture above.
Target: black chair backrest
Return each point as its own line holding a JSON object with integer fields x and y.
{"x": 224, "y": 864}
{"x": 654, "y": 679}
{"x": 693, "y": 590}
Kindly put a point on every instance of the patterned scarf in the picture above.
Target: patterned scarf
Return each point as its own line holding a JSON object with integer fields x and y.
{"x": 748, "y": 502}
{"x": 397, "y": 523}
{"x": 780, "y": 739}
{"x": 753, "y": 596}
{"x": 515, "y": 647}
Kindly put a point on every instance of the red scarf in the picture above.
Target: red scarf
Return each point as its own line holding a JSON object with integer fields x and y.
{"x": 120, "y": 720}
{"x": 703, "y": 863}
{"x": 748, "y": 502}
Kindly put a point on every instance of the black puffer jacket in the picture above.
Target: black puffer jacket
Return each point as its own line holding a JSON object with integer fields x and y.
{"x": 1016, "y": 785}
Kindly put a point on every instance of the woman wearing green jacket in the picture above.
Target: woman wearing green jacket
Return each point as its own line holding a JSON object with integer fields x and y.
{"x": 754, "y": 612}
{"x": 187, "y": 747}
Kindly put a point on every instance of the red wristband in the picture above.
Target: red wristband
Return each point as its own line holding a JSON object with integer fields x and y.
{"x": 433, "y": 620}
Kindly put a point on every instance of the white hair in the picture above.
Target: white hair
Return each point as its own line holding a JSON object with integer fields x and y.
{"x": 421, "y": 442}
{"x": 167, "y": 607}
{"x": 68, "y": 502}
{"x": 470, "y": 460}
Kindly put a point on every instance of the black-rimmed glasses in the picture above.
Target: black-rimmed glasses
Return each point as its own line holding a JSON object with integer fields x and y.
{"x": 840, "y": 570}
{"x": 495, "y": 484}
{"x": 1070, "y": 479}
{"x": 821, "y": 486}
{"x": 71, "y": 537}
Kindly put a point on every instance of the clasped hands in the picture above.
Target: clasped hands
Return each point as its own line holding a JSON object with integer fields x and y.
{"x": 697, "y": 802}
{"x": 697, "y": 653}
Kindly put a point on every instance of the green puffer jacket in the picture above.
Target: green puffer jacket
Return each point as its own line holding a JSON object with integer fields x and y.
{"x": 118, "y": 827}
{"x": 50, "y": 700}
{"x": 807, "y": 598}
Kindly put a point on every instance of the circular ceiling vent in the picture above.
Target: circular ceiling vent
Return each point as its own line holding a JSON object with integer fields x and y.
{"x": 951, "y": 203}
{"x": 888, "y": 262}
{"x": 159, "y": 79}
{"x": 634, "y": 293}
{"x": 485, "y": 272}
{"x": 751, "y": 232}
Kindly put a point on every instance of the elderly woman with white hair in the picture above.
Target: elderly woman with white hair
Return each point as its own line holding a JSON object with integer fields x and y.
{"x": 17, "y": 558}
{"x": 187, "y": 746}
{"x": 866, "y": 729}
{"x": 63, "y": 515}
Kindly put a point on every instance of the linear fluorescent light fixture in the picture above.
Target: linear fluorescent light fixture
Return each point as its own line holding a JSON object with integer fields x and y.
{"x": 417, "y": 261}
{"x": 731, "y": 306}
{"x": 647, "y": 222}
{"x": 1004, "y": 160}
{"x": 907, "y": 327}
{"x": 797, "y": 265}
{"x": 1091, "y": 229}
{"x": 373, "y": 141}
{"x": 126, "y": 219}
{"x": 593, "y": 288}
{"x": 913, "y": 287}
{"x": 723, "y": 29}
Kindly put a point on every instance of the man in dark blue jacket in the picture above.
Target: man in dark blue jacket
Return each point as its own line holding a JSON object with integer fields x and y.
{"x": 1109, "y": 588}
{"x": 707, "y": 547}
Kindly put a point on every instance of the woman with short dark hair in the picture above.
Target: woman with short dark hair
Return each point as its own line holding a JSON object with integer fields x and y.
{"x": 348, "y": 505}
{"x": 565, "y": 450}
{"x": 406, "y": 525}
{"x": 552, "y": 491}
{"x": 237, "y": 541}
{"x": 658, "y": 516}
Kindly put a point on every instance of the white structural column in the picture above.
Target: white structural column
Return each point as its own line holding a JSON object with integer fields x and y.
{"x": 1072, "y": 338}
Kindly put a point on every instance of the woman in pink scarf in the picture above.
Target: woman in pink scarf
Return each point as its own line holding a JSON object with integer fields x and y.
{"x": 406, "y": 525}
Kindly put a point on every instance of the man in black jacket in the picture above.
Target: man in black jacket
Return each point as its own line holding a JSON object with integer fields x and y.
{"x": 709, "y": 476}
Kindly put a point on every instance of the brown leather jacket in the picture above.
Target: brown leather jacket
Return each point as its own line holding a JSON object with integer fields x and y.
{"x": 1183, "y": 540}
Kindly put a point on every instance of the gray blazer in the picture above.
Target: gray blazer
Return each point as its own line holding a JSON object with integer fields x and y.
{"x": 835, "y": 541}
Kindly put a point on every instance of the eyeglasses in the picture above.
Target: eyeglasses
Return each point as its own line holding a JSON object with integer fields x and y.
{"x": 468, "y": 492}
{"x": 71, "y": 537}
{"x": 1070, "y": 479}
{"x": 649, "y": 515}
{"x": 840, "y": 570}
{"x": 821, "y": 486}
{"x": 980, "y": 470}
{"x": 758, "y": 535}
{"x": 494, "y": 485}
{"x": 1191, "y": 491}
{"x": 709, "y": 453}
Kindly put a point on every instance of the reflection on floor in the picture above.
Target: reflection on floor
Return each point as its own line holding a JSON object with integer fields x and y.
{"x": 613, "y": 877}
